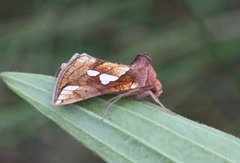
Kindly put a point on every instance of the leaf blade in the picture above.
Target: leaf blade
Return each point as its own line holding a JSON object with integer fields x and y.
{"x": 136, "y": 132}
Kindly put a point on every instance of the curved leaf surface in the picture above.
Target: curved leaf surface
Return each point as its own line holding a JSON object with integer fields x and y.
{"x": 134, "y": 131}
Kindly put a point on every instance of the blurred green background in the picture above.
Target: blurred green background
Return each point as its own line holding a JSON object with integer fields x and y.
{"x": 195, "y": 46}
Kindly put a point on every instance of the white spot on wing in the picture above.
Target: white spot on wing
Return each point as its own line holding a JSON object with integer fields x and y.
{"x": 65, "y": 92}
{"x": 58, "y": 102}
{"x": 92, "y": 73}
{"x": 105, "y": 78}
{"x": 71, "y": 88}
{"x": 134, "y": 85}
{"x": 61, "y": 97}
{"x": 68, "y": 90}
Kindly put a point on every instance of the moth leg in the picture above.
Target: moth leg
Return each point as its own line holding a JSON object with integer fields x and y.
{"x": 118, "y": 97}
{"x": 112, "y": 101}
{"x": 153, "y": 97}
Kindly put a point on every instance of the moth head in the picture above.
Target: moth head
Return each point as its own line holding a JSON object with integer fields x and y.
{"x": 142, "y": 58}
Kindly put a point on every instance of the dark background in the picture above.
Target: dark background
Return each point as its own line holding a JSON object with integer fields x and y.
{"x": 195, "y": 46}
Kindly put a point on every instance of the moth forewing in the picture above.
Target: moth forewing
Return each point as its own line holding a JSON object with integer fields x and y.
{"x": 89, "y": 77}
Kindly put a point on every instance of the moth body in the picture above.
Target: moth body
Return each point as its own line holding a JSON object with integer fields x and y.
{"x": 84, "y": 77}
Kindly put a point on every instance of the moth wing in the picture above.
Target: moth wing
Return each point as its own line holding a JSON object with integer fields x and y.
{"x": 84, "y": 77}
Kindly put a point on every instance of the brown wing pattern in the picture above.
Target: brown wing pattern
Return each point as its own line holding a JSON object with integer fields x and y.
{"x": 84, "y": 77}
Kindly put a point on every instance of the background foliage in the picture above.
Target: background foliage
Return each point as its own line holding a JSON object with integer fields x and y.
{"x": 194, "y": 46}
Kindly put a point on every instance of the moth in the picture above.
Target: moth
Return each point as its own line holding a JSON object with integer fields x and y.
{"x": 84, "y": 77}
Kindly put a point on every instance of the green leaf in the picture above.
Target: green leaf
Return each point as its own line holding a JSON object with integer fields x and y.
{"x": 134, "y": 131}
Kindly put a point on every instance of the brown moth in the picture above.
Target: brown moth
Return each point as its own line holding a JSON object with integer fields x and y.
{"x": 84, "y": 77}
